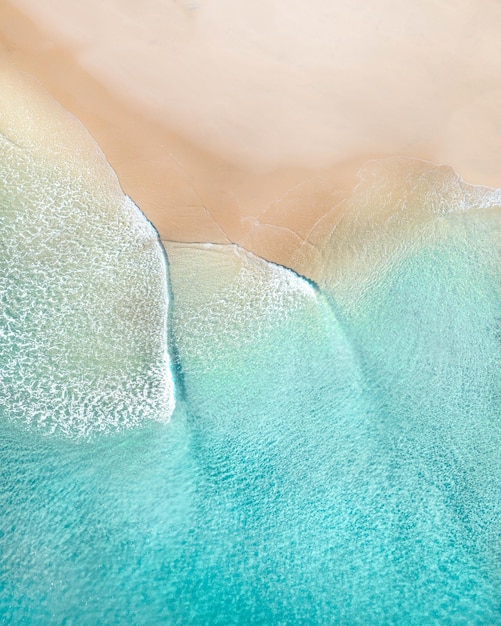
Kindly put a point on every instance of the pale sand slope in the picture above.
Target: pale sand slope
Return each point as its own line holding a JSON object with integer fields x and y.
{"x": 247, "y": 121}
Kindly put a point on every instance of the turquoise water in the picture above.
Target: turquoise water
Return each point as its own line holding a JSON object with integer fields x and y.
{"x": 334, "y": 456}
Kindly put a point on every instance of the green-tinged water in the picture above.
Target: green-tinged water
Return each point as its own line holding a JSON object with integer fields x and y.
{"x": 335, "y": 452}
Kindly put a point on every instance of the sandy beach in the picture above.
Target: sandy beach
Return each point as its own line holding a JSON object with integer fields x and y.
{"x": 247, "y": 123}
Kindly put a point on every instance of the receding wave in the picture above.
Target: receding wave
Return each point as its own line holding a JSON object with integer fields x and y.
{"x": 253, "y": 325}
{"x": 398, "y": 206}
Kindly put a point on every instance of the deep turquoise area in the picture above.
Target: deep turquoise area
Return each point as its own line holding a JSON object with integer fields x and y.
{"x": 334, "y": 456}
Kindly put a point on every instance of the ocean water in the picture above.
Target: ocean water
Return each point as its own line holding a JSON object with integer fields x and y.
{"x": 334, "y": 455}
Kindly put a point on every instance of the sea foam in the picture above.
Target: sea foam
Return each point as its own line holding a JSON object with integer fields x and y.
{"x": 83, "y": 290}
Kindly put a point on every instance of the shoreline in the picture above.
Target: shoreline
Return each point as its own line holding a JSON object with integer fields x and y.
{"x": 188, "y": 191}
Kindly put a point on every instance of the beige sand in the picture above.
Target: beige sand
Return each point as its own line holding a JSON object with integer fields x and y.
{"x": 247, "y": 121}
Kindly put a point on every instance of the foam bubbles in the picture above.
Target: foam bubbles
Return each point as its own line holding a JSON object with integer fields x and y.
{"x": 83, "y": 297}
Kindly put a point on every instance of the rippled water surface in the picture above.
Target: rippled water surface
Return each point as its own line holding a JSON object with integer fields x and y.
{"x": 335, "y": 451}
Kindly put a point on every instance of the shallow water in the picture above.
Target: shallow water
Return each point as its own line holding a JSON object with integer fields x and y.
{"x": 334, "y": 455}
{"x": 83, "y": 297}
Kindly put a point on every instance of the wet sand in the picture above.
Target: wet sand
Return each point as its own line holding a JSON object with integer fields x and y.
{"x": 248, "y": 124}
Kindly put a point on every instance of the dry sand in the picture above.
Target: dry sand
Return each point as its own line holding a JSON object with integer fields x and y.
{"x": 247, "y": 121}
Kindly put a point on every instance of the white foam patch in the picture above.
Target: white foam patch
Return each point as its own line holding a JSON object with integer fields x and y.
{"x": 227, "y": 298}
{"x": 83, "y": 303}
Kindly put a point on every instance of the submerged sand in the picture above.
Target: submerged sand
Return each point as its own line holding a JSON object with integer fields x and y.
{"x": 247, "y": 122}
